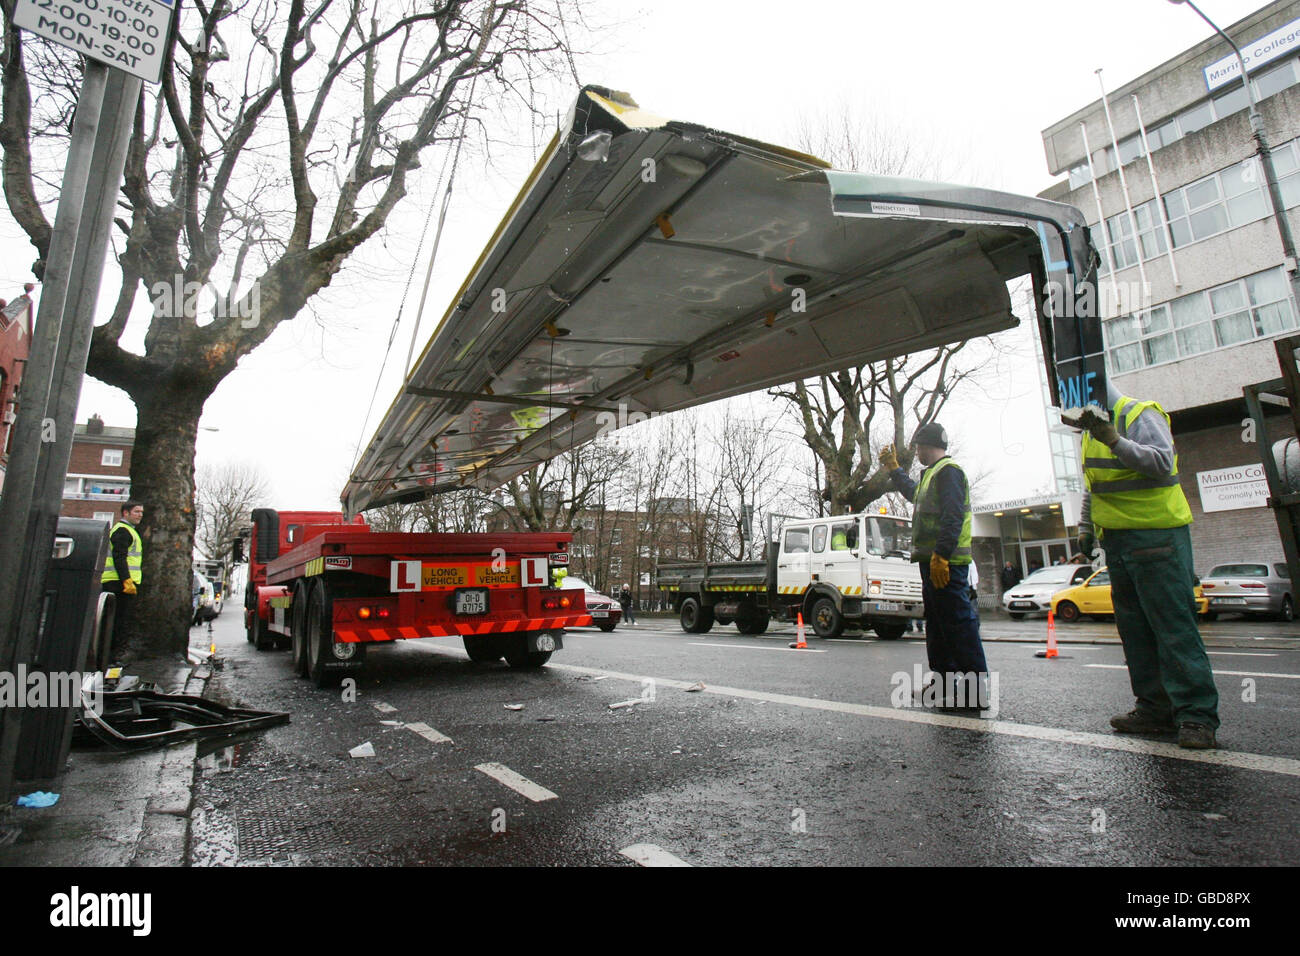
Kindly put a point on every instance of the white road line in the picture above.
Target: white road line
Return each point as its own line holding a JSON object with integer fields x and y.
{"x": 753, "y": 647}
{"x": 850, "y": 640}
{"x": 503, "y": 774}
{"x": 1124, "y": 667}
{"x": 647, "y": 854}
{"x": 428, "y": 733}
{"x": 1227, "y": 758}
{"x": 1241, "y": 653}
{"x": 383, "y": 708}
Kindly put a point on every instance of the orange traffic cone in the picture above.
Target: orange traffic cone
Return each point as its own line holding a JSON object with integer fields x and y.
{"x": 800, "y": 643}
{"x": 1051, "y": 638}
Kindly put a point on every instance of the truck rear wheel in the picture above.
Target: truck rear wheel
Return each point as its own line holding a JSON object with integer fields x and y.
{"x": 320, "y": 639}
{"x": 298, "y": 626}
{"x": 827, "y": 621}
{"x": 518, "y": 656}
{"x": 889, "y": 630}
{"x": 753, "y": 623}
{"x": 695, "y": 618}
{"x": 483, "y": 649}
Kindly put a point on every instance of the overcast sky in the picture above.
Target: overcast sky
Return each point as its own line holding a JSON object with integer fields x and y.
{"x": 975, "y": 81}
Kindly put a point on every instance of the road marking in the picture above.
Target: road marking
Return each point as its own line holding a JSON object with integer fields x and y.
{"x": 647, "y": 854}
{"x": 850, "y": 640}
{"x": 1241, "y": 654}
{"x": 383, "y": 708}
{"x": 752, "y": 647}
{"x": 503, "y": 774}
{"x": 428, "y": 733}
{"x": 1227, "y": 758}
{"x": 1124, "y": 667}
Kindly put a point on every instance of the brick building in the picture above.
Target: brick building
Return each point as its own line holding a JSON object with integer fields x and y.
{"x": 98, "y": 481}
{"x": 15, "y": 343}
{"x": 1193, "y": 282}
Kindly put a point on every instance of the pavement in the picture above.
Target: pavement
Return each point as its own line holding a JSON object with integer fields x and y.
{"x": 114, "y": 809}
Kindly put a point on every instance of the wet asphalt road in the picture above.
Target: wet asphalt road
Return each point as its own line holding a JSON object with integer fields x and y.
{"x": 787, "y": 758}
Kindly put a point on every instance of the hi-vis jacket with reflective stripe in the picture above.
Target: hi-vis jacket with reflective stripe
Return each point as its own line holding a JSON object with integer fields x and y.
{"x": 1122, "y": 497}
{"x": 928, "y": 514}
{"x": 134, "y": 554}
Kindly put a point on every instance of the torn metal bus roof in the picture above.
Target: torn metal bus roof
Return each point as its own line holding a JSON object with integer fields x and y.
{"x": 649, "y": 265}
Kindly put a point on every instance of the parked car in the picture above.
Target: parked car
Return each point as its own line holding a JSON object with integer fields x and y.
{"x": 605, "y": 611}
{"x": 201, "y": 600}
{"x": 1250, "y": 588}
{"x": 1093, "y": 599}
{"x": 1034, "y": 594}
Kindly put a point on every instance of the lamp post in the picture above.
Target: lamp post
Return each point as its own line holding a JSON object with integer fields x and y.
{"x": 1265, "y": 158}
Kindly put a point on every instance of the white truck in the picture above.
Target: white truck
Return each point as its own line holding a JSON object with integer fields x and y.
{"x": 840, "y": 571}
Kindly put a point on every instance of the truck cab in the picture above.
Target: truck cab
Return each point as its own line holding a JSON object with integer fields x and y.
{"x": 850, "y": 568}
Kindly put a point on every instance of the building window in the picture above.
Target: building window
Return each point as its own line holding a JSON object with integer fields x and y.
{"x": 104, "y": 516}
{"x": 1220, "y": 201}
{"x": 112, "y": 458}
{"x": 1257, "y": 306}
{"x": 616, "y": 566}
{"x": 1150, "y": 237}
{"x": 71, "y": 487}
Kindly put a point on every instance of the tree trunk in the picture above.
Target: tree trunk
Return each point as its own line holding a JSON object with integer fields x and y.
{"x": 162, "y": 478}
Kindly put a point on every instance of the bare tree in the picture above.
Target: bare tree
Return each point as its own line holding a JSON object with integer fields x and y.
{"x": 224, "y": 498}
{"x": 279, "y": 142}
{"x": 749, "y": 472}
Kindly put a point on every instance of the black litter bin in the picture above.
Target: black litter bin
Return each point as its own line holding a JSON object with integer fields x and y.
{"x": 70, "y": 608}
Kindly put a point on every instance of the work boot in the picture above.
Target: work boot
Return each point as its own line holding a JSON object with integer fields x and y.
{"x": 1196, "y": 737}
{"x": 1142, "y": 722}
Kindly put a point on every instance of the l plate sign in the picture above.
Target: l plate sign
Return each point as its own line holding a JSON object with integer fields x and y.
{"x": 132, "y": 35}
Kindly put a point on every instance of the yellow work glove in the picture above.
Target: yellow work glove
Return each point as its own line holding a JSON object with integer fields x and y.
{"x": 128, "y": 586}
{"x": 888, "y": 458}
{"x": 939, "y": 571}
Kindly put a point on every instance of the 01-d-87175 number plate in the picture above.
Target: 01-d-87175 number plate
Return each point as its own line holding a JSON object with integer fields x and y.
{"x": 471, "y": 601}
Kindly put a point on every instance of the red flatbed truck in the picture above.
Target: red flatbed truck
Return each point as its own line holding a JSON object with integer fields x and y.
{"x": 333, "y": 590}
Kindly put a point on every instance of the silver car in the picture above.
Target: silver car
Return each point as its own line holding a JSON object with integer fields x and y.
{"x": 1251, "y": 587}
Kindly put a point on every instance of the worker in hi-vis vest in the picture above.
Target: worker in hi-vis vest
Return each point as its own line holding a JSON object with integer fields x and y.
{"x": 941, "y": 545}
{"x": 122, "y": 575}
{"x": 1136, "y": 510}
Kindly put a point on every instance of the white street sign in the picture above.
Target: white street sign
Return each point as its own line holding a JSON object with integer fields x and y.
{"x": 1228, "y": 489}
{"x": 132, "y": 35}
{"x": 1264, "y": 50}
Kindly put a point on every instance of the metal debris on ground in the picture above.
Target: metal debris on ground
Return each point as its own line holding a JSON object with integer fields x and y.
{"x": 514, "y": 706}
{"x": 362, "y": 750}
{"x": 626, "y": 703}
{"x": 697, "y": 686}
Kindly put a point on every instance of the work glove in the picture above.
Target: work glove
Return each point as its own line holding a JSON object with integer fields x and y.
{"x": 888, "y": 458}
{"x": 128, "y": 586}
{"x": 1093, "y": 420}
{"x": 1087, "y": 543}
{"x": 939, "y": 574}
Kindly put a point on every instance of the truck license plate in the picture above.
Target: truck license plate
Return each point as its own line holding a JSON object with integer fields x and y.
{"x": 888, "y": 606}
{"x": 472, "y": 601}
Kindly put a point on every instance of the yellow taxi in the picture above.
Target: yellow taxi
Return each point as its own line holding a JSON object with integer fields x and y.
{"x": 1092, "y": 597}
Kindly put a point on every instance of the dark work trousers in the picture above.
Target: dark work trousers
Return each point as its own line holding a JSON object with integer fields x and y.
{"x": 952, "y": 628}
{"x": 1151, "y": 582}
{"x": 123, "y": 605}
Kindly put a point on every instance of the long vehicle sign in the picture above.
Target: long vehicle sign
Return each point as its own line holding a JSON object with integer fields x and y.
{"x": 427, "y": 576}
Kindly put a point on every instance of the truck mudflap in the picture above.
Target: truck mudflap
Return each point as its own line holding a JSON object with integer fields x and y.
{"x": 353, "y": 635}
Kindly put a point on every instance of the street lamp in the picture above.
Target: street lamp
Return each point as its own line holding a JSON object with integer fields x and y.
{"x": 1265, "y": 157}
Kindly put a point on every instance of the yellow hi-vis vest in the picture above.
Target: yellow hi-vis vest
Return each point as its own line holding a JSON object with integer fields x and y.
{"x": 134, "y": 555}
{"x": 1123, "y": 498}
{"x": 925, "y": 518}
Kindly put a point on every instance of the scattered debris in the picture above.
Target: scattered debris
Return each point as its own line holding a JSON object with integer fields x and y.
{"x": 514, "y": 706}
{"x": 132, "y": 715}
{"x": 697, "y": 686}
{"x": 364, "y": 750}
{"x": 626, "y": 703}
{"x": 1214, "y": 816}
{"x": 392, "y": 723}
{"x": 383, "y": 708}
{"x": 38, "y": 798}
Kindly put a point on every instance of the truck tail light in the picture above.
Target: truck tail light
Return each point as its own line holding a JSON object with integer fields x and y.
{"x": 556, "y": 603}
{"x": 366, "y": 612}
